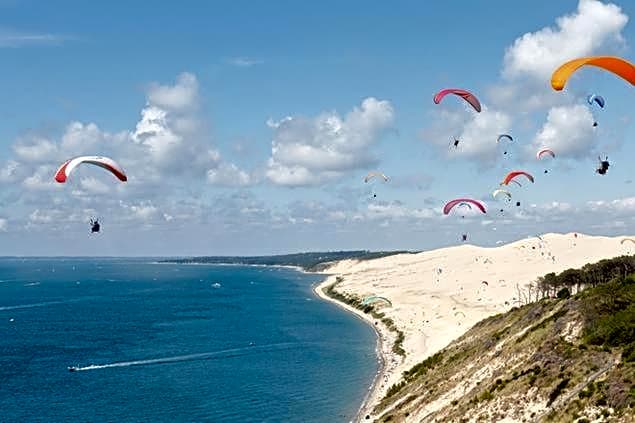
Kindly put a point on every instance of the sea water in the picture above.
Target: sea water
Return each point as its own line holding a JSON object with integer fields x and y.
{"x": 167, "y": 342}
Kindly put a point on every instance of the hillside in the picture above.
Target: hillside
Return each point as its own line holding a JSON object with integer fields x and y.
{"x": 568, "y": 358}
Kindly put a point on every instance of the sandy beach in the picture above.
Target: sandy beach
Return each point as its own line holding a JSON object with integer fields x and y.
{"x": 438, "y": 295}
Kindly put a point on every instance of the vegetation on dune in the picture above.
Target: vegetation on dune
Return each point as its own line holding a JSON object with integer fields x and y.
{"x": 561, "y": 358}
{"x": 357, "y": 303}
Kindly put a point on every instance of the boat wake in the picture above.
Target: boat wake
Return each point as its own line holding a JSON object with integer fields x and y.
{"x": 228, "y": 353}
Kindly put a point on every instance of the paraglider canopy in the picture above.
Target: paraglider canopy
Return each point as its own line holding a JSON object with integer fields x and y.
{"x": 511, "y": 175}
{"x": 598, "y": 99}
{"x": 372, "y": 175}
{"x": 503, "y": 137}
{"x": 107, "y": 163}
{"x": 451, "y": 204}
{"x": 616, "y": 65}
{"x": 545, "y": 152}
{"x": 375, "y": 298}
{"x": 466, "y": 95}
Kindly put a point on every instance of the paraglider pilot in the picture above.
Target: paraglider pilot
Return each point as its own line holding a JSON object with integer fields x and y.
{"x": 94, "y": 226}
{"x": 464, "y": 237}
{"x": 456, "y": 142}
{"x": 603, "y": 166}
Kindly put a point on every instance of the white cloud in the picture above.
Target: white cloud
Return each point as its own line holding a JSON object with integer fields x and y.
{"x": 243, "y": 62}
{"x": 179, "y": 97}
{"x": 396, "y": 210}
{"x": 478, "y": 133}
{"x": 594, "y": 26}
{"x": 4, "y": 225}
{"x": 14, "y": 39}
{"x": 228, "y": 174}
{"x": 568, "y": 131}
{"x": 35, "y": 149}
{"x": 309, "y": 151}
{"x": 524, "y": 88}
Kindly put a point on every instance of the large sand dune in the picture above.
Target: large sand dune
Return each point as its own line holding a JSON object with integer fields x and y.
{"x": 437, "y": 295}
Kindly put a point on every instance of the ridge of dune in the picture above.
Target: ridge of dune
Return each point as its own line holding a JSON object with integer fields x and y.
{"x": 438, "y": 295}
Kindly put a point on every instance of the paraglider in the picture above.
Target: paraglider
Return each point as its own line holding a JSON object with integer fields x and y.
{"x": 451, "y": 204}
{"x": 603, "y": 165}
{"x": 544, "y": 152}
{"x": 627, "y": 240}
{"x": 503, "y": 137}
{"x": 375, "y": 298}
{"x": 465, "y": 95}
{"x": 373, "y": 175}
{"x": 464, "y": 237}
{"x": 597, "y": 99}
{"x": 456, "y": 143}
{"x": 485, "y": 283}
{"x": 616, "y": 65}
{"x": 511, "y": 175}
{"x": 107, "y": 163}
{"x": 499, "y": 192}
{"x": 459, "y": 312}
{"x": 94, "y": 226}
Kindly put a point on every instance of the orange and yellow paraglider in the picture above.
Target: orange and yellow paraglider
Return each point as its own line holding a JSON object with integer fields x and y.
{"x": 616, "y": 65}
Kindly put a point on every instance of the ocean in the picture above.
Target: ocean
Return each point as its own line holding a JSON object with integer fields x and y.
{"x": 167, "y": 342}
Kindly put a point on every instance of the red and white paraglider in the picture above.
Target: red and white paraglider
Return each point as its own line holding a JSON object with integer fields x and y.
{"x": 107, "y": 163}
{"x": 65, "y": 170}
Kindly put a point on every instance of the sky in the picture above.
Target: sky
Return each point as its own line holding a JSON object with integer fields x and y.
{"x": 248, "y": 127}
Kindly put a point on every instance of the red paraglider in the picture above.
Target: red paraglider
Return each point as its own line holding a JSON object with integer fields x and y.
{"x": 450, "y": 205}
{"x": 511, "y": 175}
{"x": 466, "y": 95}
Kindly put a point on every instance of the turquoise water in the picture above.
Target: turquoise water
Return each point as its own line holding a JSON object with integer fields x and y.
{"x": 163, "y": 342}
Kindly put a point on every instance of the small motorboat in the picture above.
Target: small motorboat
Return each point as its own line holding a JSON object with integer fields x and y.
{"x": 72, "y": 368}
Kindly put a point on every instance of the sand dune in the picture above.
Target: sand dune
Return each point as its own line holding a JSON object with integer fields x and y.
{"x": 437, "y": 295}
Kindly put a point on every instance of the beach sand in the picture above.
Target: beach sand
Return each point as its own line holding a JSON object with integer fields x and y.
{"x": 438, "y": 295}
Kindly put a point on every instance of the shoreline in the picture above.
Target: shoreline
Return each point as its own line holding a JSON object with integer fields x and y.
{"x": 438, "y": 295}
{"x": 383, "y": 349}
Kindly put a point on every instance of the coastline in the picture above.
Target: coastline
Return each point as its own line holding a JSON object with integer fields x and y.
{"x": 438, "y": 295}
{"x": 383, "y": 350}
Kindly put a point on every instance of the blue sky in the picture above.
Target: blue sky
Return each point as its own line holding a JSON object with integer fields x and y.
{"x": 247, "y": 128}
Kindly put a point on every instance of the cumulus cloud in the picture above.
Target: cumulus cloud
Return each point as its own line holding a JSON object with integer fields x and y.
{"x": 568, "y": 131}
{"x": 166, "y": 156}
{"x": 4, "y": 225}
{"x": 477, "y": 135}
{"x": 228, "y": 174}
{"x": 523, "y": 90}
{"x": 35, "y": 149}
{"x": 309, "y": 151}
{"x": 592, "y": 27}
{"x": 181, "y": 96}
